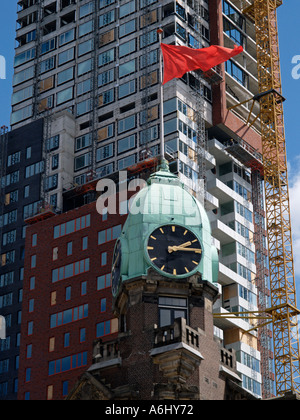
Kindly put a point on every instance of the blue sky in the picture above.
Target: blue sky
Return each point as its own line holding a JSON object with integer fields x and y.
{"x": 289, "y": 36}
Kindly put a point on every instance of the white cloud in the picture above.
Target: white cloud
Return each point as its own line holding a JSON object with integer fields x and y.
{"x": 294, "y": 192}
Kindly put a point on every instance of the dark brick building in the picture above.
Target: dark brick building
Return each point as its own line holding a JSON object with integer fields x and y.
{"x": 67, "y": 298}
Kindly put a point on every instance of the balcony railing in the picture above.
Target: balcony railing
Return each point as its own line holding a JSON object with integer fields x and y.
{"x": 176, "y": 333}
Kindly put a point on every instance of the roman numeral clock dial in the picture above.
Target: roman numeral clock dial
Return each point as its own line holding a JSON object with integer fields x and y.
{"x": 174, "y": 250}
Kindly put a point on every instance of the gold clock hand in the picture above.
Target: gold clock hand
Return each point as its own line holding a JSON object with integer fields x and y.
{"x": 115, "y": 263}
{"x": 170, "y": 248}
{"x": 181, "y": 248}
{"x": 198, "y": 250}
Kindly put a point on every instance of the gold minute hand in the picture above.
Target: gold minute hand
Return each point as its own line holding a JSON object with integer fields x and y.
{"x": 180, "y": 248}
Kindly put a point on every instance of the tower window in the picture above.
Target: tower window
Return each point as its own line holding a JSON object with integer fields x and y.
{"x": 171, "y": 308}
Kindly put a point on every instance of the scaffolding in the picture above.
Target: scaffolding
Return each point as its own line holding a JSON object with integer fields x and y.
{"x": 37, "y": 60}
{"x": 94, "y": 89}
{"x": 146, "y": 80}
{"x": 46, "y": 159}
{"x": 261, "y": 279}
{"x": 200, "y": 106}
{"x": 213, "y": 76}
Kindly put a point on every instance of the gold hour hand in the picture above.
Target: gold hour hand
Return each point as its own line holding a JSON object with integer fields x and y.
{"x": 171, "y": 248}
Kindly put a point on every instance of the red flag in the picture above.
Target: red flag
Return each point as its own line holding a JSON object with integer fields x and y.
{"x": 179, "y": 60}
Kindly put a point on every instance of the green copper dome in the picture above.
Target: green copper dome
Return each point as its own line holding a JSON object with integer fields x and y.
{"x": 165, "y": 202}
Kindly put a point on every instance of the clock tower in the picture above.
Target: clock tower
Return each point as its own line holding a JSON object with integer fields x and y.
{"x": 164, "y": 285}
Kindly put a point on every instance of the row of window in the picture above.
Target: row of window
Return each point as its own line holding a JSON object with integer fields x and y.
{"x": 72, "y": 226}
{"x": 69, "y": 315}
{"x": 70, "y": 270}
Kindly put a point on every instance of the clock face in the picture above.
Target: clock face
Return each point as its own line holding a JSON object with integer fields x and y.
{"x": 174, "y": 250}
{"x": 116, "y": 269}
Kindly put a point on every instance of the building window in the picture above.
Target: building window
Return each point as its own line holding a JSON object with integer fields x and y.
{"x": 84, "y": 87}
{"x": 68, "y": 293}
{"x": 82, "y": 335}
{"x": 14, "y": 158}
{"x": 33, "y": 261}
{"x": 127, "y": 89}
{"x": 104, "y": 281}
{"x": 106, "y": 97}
{"x": 83, "y": 288}
{"x": 9, "y": 237}
{"x": 29, "y": 351}
{"x": 107, "y": 327}
{"x": 103, "y": 258}
{"x": 67, "y": 340}
{"x": 106, "y": 57}
{"x": 53, "y": 298}
{"x": 106, "y": 18}
{"x": 127, "y": 28}
{"x": 106, "y": 77}
{"x": 51, "y": 344}
{"x": 34, "y": 240}
{"x": 109, "y": 234}
{"x": 85, "y": 243}
{"x": 84, "y": 67}
{"x": 170, "y": 309}
{"x": 85, "y": 47}
{"x": 105, "y": 152}
{"x": 66, "y": 56}
{"x": 125, "y": 162}
{"x": 64, "y": 96}
{"x": 49, "y": 392}
{"x": 28, "y": 375}
{"x": 127, "y": 68}
{"x": 84, "y": 107}
{"x": 31, "y": 305}
{"x": 103, "y": 305}
{"x": 65, "y": 76}
{"x": 127, "y": 9}
{"x": 65, "y": 386}
{"x": 32, "y": 283}
{"x": 126, "y": 144}
{"x": 67, "y": 37}
{"x": 85, "y": 28}
{"x": 34, "y": 169}
{"x": 126, "y": 124}
{"x": 83, "y": 142}
{"x": 106, "y": 132}
{"x": 127, "y": 48}
{"x": 69, "y": 248}
{"x": 30, "y": 328}
{"x": 236, "y": 72}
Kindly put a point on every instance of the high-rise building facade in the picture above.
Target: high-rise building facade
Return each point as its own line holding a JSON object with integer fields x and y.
{"x": 90, "y": 69}
{"x": 22, "y": 164}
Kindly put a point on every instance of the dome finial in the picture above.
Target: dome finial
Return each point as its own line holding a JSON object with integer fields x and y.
{"x": 164, "y": 165}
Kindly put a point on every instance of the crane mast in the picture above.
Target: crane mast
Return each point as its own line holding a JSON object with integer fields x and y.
{"x": 283, "y": 309}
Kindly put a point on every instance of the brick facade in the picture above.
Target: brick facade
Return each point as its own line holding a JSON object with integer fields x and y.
{"x": 45, "y": 290}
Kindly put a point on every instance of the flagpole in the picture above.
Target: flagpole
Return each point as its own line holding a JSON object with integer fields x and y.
{"x": 162, "y": 140}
